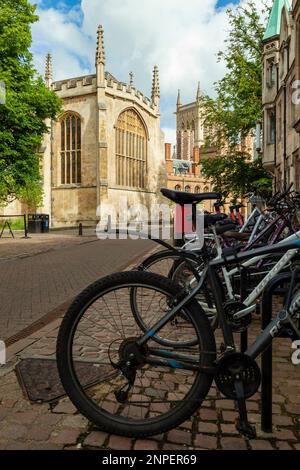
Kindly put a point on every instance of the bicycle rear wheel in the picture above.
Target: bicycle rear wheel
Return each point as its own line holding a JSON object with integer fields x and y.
{"x": 184, "y": 269}
{"x": 94, "y": 334}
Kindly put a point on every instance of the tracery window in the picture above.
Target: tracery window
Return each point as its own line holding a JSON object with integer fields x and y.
{"x": 131, "y": 150}
{"x": 70, "y": 153}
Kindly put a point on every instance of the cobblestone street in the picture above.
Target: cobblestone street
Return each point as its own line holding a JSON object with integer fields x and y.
{"x": 41, "y": 282}
{"x": 40, "y": 274}
{"x": 59, "y": 426}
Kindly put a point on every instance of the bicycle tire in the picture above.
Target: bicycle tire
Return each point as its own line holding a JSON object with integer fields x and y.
{"x": 120, "y": 425}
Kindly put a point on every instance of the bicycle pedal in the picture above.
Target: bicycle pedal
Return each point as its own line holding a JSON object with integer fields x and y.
{"x": 246, "y": 429}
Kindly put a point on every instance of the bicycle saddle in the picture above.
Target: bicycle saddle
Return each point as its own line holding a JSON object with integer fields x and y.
{"x": 236, "y": 235}
{"x": 213, "y": 219}
{"x": 221, "y": 229}
{"x": 189, "y": 198}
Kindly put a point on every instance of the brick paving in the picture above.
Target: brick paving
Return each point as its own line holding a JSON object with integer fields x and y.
{"x": 59, "y": 426}
{"x": 40, "y": 274}
{"x": 25, "y": 425}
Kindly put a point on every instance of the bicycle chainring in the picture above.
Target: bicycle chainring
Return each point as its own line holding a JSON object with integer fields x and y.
{"x": 237, "y": 366}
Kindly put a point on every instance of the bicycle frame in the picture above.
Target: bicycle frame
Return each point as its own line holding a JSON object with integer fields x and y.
{"x": 176, "y": 361}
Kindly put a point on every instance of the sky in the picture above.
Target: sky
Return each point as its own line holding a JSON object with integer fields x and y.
{"x": 182, "y": 37}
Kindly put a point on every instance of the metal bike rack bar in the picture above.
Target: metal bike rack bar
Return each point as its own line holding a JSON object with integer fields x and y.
{"x": 267, "y": 356}
{"x": 243, "y": 294}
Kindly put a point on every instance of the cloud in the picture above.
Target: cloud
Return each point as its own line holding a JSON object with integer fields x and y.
{"x": 181, "y": 38}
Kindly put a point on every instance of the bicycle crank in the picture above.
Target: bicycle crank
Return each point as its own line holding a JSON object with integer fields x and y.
{"x": 237, "y": 366}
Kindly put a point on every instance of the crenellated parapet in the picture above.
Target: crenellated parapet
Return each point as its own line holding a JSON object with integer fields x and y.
{"x": 88, "y": 85}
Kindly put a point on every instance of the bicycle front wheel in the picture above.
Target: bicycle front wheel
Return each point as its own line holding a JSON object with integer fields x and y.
{"x": 94, "y": 335}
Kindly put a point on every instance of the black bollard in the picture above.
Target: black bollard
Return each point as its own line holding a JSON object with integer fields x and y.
{"x": 80, "y": 232}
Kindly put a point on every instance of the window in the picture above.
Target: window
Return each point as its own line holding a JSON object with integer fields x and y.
{"x": 271, "y": 127}
{"x": 70, "y": 149}
{"x": 187, "y": 189}
{"x": 197, "y": 190}
{"x": 178, "y": 187}
{"x": 131, "y": 150}
{"x": 271, "y": 73}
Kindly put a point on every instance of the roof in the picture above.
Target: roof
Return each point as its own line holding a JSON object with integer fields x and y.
{"x": 273, "y": 28}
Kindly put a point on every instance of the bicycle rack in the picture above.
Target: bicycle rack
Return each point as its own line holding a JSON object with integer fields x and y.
{"x": 267, "y": 356}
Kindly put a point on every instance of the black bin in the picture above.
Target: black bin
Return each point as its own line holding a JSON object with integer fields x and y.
{"x": 45, "y": 223}
{"x": 38, "y": 223}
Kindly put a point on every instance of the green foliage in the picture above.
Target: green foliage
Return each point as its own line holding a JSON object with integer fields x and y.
{"x": 239, "y": 93}
{"x": 28, "y": 104}
{"x": 233, "y": 174}
{"x": 233, "y": 115}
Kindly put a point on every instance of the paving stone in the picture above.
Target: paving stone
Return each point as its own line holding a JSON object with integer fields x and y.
{"x": 25, "y": 417}
{"x": 293, "y": 409}
{"x": 230, "y": 416}
{"x": 208, "y": 414}
{"x": 65, "y": 436}
{"x": 261, "y": 445}
{"x": 38, "y": 433}
{"x": 120, "y": 443}
{"x": 233, "y": 443}
{"x": 206, "y": 442}
{"x": 282, "y": 420}
{"x": 95, "y": 439}
{"x": 285, "y": 434}
{"x": 143, "y": 444}
{"x": 76, "y": 421}
{"x": 13, "y": 431}
{"x": 281, "y": 445}
{"x": 207, "y": 428}
{"x": 65, "y": 407}
{"x": 228, "y": 429}
{"x": 179, "y": 437}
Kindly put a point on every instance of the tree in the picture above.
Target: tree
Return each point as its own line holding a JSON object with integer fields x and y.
{"x": 233, "y": 115}
{"x": 233, "y": 174}
{"x": 28, "y": 104}
{"x": 239, "y": 93}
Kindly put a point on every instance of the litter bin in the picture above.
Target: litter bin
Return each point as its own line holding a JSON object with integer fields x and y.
{"x": 45, "y": 223}
{"x": 38, "y": 223}
{"x": 34, "y": 223}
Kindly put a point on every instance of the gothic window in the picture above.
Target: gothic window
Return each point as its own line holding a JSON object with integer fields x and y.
{"x": 178, "y": 187}
{"x": 70, "y": 153}
{"x": 187, "y": 189}
{"x": 131, "y": 150}
{"x": 197, "y": 190}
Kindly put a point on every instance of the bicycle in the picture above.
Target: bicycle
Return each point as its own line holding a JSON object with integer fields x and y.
{"x": 142, "y": 388}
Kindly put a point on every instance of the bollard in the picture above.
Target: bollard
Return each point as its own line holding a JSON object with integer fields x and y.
{"x": 25, "y": 227}
{"x": 80, "y": 233}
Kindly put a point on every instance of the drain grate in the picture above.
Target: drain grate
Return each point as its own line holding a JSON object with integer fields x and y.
{"x": 40, "y": 381}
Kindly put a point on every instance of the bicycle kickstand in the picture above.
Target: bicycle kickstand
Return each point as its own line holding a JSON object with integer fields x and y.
{"x": 243, "y": 426}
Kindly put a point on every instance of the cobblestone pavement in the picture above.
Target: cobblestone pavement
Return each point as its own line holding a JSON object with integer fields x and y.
{"x": 40, "y": 274}
{"x": 59, "y": 426}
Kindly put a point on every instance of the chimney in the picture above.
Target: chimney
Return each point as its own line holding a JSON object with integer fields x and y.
{"x": 196, "y": 153}
{"x": 196, "y": 162}
{"x": 168, "y": 150}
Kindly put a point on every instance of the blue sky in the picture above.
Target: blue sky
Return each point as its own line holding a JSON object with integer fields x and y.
{"x": 182, "y": 38}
